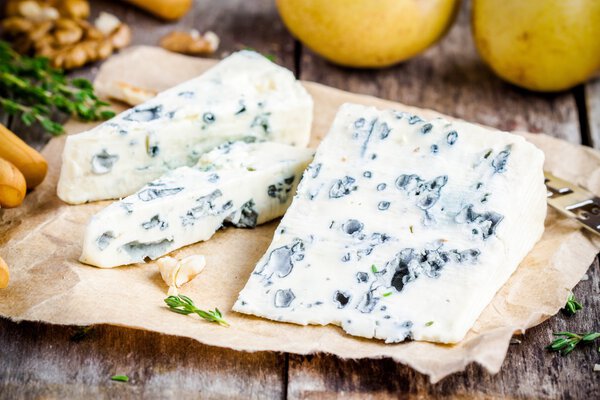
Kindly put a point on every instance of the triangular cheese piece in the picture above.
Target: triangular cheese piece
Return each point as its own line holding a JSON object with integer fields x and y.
{"x": 242, "y": 184}
{"x": 245, "y": 95}
{"x": 401, "y": 228}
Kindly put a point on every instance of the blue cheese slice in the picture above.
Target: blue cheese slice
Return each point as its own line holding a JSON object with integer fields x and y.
{"x": 242, "y": 184}
{"x": 245, "y": 95}
{"x": 401, "y": 228}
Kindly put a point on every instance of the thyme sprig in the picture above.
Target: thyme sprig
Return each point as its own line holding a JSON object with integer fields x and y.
{"x": 572, "y": 305}
{"x": 184, "y": 305}
{"x": 567, "y": 341}
{"x": 37, "y": 93}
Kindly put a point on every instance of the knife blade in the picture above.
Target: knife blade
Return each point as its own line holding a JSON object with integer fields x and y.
{"x": 574, "y": 202}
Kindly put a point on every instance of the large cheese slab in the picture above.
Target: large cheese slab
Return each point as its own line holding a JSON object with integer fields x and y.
{"x": 402, "y": 228}
{"x": 242, "y": 184}
{"x": 245, "y": 95}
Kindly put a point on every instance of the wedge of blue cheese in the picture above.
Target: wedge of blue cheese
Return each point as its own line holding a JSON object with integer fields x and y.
{"x": 245, "y": 95}
{"x": 242, "y": 184}
{"x": 402, "y": 228}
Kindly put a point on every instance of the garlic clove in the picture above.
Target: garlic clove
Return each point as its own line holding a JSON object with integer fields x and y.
{"x": 189, "y": 268}
{"x": 172, "y": 291}
{"x": 177, "y": 273}
{"x": 168, "y": 267}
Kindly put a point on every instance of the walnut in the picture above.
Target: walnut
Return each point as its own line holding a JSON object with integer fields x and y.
{"x": 67, "y": 32}
{"x": 57, "y": 30}
{"x": 107, "y": 23}
{"x": 16, "y": 25}
{"x": 37, "y": 12}
{"x": 190, "y": 42}
{"x": 121, "y": 37}
{"x": 76, "y": 9}
{"x": 75, "y": 57}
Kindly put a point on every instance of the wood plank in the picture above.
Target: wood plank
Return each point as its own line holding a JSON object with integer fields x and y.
{"x": 529, "y": 371}
{"x": 592, "y": 104}
{"x": 50, "y": 361}
{"x": 41, "y": 361}
{"x": 451, "y": 78}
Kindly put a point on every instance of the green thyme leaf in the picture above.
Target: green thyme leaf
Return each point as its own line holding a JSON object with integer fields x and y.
{"x": 567, "y": 334}
{"x": 572, "y": 305}
{"x": 39, "y": 94}
{"x": 559, "y": 343}
{"x": 387, "y": 294}
{"x": 374, "y": 269}
{"x": 119, "y": 378}
{"x": 566, "y": 342}
{"x": 429, "y": 323}
{"x": 590, "y": 337}
{"x": 184, "y": 305}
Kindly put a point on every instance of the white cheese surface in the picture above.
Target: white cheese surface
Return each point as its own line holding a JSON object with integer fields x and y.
{"x": 401, "y": 228}
{"x": 242, "y": 184}
{"x": 245, "y": 95}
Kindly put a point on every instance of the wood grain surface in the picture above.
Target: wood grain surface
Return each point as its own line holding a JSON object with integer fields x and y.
{"x": 44, "y": 361}
{"x": 60, "y": 362}
{"x": 592, "y": 112}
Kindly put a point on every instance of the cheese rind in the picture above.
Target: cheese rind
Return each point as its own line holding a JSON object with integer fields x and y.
{"x": 401, "y": 228}
{"x": 243, "y": 184}
{"x": 245, "y": 95}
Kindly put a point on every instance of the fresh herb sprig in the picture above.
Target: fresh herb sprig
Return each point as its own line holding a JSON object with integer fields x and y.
{"x": 119, "y": 378}
{"x": 567, "y": 341}
{"x": 184, "y": 305}
{"x": 33, "y": 90}
{"x": 572, "y": 305}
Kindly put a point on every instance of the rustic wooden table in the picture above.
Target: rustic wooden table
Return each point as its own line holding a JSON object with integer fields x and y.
{"x": 45, "y": 361}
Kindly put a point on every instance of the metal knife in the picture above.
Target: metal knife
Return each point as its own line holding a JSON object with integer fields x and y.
{"x": 574, "y": 202}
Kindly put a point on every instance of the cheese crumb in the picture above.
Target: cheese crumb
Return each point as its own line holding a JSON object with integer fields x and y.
{"x": 596, "y": 367}
{"x": 176, "y": 272}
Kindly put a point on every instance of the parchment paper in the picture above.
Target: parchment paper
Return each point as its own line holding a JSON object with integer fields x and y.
{"x": 41, "y": 241}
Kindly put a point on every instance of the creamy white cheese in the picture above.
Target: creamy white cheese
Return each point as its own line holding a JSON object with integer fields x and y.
{"x": 242, "y": 184}
{"x": 245, "y": 95}
{"x": 401, "y": 228}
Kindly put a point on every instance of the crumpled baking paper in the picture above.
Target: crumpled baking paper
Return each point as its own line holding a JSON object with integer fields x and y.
{"x": 41, "y": 242}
